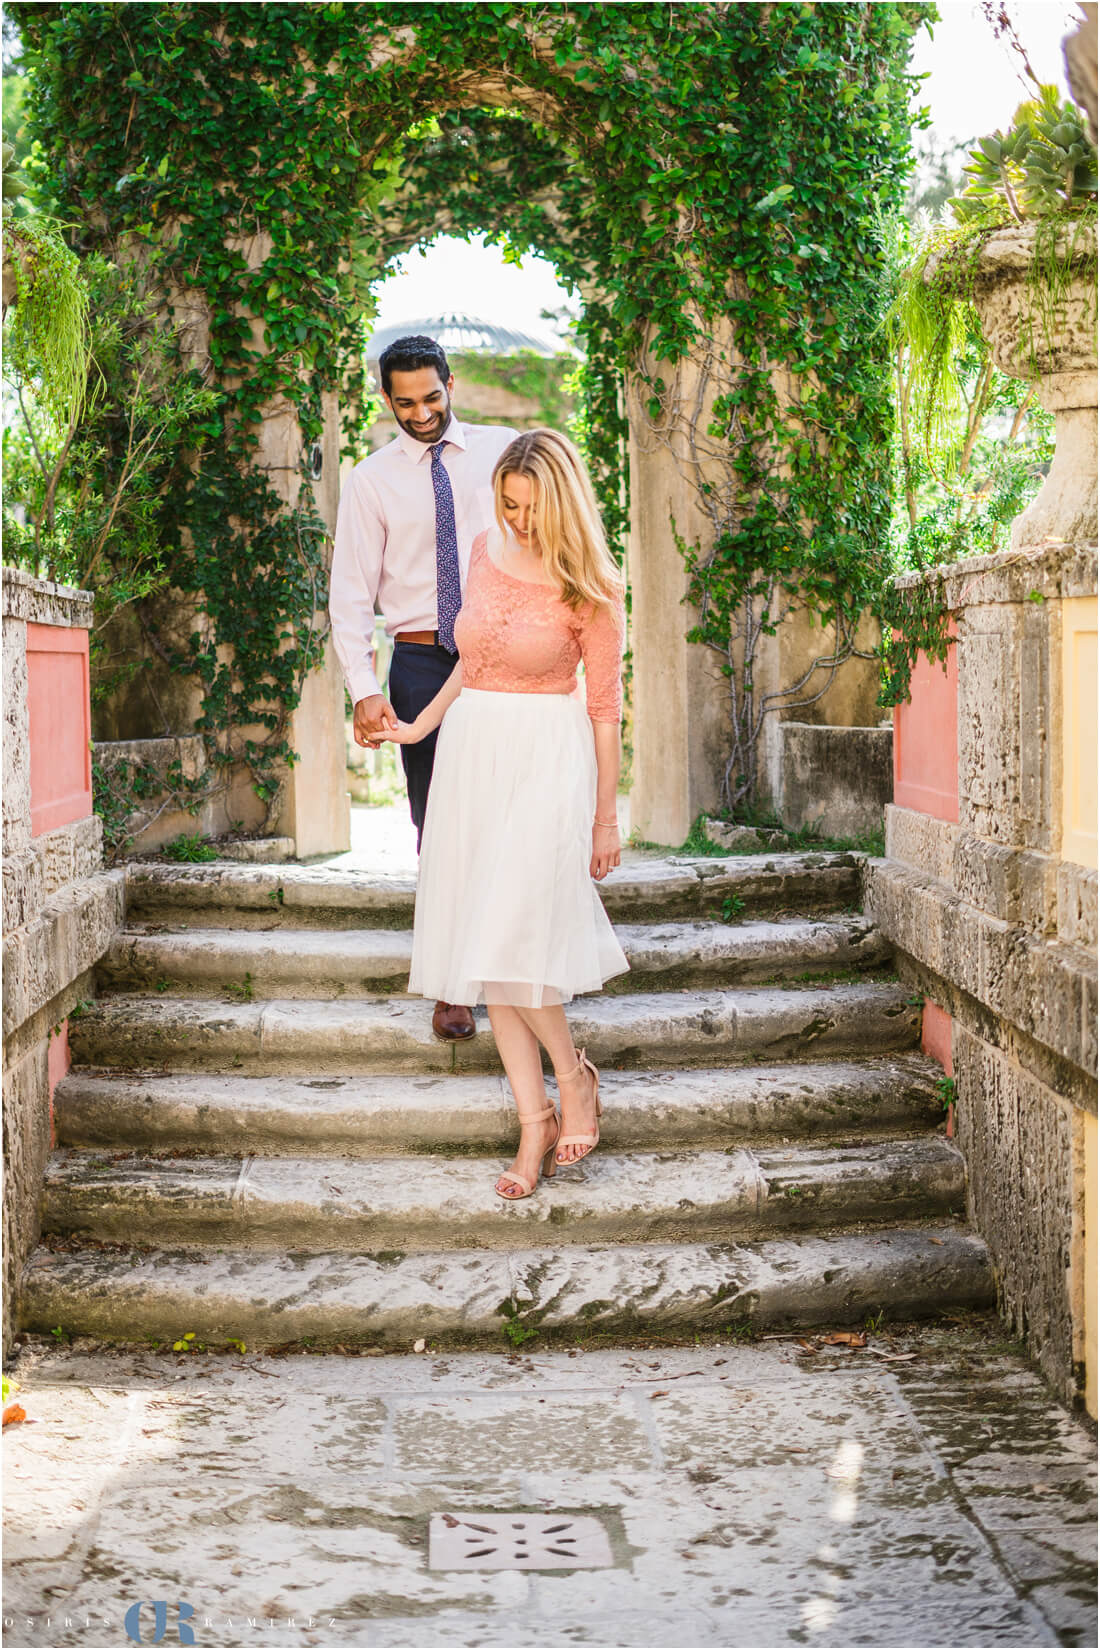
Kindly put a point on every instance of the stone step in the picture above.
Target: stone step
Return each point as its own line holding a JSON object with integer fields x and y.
{"x": 469, "y": 1296}
{"x": 300, "y": 896}
{"x": 368, "y": 1115}
{"x": 426, "y": 1203}
{"x": 658, "y": 1031}
{"x": 320, "y": 964}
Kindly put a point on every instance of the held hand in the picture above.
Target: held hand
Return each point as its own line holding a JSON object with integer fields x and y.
{"x": 403, "y": 733}
{"x": 605, "y": 850}
{"x": 373, "y": 718}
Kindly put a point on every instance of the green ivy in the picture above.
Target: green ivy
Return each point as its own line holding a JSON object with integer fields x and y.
{"x": 538, "y": 378}
{"x": 683, "y": 167}
{"x": 46, "y": 331}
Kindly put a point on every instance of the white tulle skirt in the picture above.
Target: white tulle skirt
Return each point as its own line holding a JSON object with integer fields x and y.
{"x": 506, "y": 911}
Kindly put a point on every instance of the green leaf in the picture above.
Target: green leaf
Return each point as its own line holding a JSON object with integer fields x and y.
{"x": 783, "y": 192}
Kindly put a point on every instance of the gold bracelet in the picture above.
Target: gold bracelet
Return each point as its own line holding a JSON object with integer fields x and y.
{"x": 608, "y": 822}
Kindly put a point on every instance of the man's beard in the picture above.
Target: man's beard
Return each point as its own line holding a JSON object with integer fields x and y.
{"x": 428, "y": 436}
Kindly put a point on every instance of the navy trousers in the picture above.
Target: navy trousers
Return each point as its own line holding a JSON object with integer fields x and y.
{"x": 417, "y": 672}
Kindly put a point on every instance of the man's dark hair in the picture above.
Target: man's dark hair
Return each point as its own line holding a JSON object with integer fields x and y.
{"x": 409, "y": 354}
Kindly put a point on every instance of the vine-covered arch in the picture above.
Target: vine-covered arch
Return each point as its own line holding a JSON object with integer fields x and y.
{"x": 709, "y": 175}
{"x": 473, "y": 171}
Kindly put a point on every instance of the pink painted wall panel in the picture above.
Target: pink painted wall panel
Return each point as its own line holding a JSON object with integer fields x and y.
{"x": 926, "y": 740}
{"x": 59, "y": 710}
{"x": 935, "y": 1035}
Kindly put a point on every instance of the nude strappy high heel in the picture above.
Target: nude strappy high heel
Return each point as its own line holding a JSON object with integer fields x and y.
{"x": 547, "y": 1166}
{"x": 591, "y": 1141}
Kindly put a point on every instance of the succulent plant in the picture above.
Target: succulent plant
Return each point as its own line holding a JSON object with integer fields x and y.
{"x": 1045, "y": 163}
{"x": 13, "y": 183}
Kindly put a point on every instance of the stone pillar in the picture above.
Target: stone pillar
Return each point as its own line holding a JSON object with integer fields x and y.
{"x": 315, "y": 809}
{"x": 1079, "y": 51}
{"x": 681, "y": 720}
{"x": 682, "y": 726}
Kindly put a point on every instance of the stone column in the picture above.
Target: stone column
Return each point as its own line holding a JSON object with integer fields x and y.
{"x": 682, "y": 726}
{"x": 1079, "y": 51}
{"x": 681, "y": 720}
{"x": 315, "y": 809}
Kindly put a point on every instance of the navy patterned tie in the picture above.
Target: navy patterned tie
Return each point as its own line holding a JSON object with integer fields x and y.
{"x": 448, "y": 582}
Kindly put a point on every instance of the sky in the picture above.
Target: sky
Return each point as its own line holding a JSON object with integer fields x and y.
{"x": 973, "y": 86}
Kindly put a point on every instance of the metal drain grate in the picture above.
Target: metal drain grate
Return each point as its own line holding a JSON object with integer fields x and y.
{"x": 517, "y": 1541}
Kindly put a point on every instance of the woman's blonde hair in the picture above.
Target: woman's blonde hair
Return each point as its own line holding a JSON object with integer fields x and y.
{"x": 564, "y": 516}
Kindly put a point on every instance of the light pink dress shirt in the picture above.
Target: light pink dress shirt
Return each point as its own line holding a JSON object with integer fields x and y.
{"x": 384, "y": 552}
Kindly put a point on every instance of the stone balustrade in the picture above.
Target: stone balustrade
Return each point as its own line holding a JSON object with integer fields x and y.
{"x": 60, "y": 908}
{"x": 989, "y": 885}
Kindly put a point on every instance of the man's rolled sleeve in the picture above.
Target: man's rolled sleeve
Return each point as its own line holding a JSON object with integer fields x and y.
{"x": 353, "y": 585}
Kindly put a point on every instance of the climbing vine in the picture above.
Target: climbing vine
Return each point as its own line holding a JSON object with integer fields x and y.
{"x": 707, "y": 177}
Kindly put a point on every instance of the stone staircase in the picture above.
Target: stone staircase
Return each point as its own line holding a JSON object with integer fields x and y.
{"x": 261, "y": 1140}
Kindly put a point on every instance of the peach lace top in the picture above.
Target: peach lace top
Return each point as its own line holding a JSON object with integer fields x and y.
{"x": 515, "y": 636}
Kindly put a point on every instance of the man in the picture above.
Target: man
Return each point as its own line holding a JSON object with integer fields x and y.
{"x": 408, "y": 518}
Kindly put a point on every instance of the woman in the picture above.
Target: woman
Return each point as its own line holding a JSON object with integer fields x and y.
{"x": 521, "y": 813}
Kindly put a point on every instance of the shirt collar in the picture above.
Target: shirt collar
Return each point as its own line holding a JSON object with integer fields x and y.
{"x": 416, "y": 450}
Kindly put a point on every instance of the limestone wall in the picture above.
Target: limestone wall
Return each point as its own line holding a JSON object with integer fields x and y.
{"x": 836, "y": 780}
{"x": 991, "y": 900}
{"x": 60, "y": 914}
{"x": 997, "y": 926}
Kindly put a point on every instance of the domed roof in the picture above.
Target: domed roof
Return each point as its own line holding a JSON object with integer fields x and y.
{"x": 462, "y": 334}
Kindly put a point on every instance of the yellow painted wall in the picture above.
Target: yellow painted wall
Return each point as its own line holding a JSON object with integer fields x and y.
{"x": 1079, "y": 730}
{"x": 1090, "y": 1263}
{"x": 1079, "y": 777}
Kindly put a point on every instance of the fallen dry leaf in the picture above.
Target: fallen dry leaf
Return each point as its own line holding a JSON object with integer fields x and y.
{"x": 807, "y": 1346}
{"x": 845, "y": 1337}
{"x": 14, "y": 1413}
{"x": 663, "y": 1394}
{"x": 892, "y": 1357}
{"x": 937, "y": 1241}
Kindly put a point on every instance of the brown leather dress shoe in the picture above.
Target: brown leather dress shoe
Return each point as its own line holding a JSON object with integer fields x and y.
{"x": 452, "y": 1022}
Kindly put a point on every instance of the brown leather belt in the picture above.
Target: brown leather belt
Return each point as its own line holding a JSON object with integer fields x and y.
{"x": 426, "y": 638}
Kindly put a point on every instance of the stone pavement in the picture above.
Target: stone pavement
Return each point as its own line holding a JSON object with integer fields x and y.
{"x": 924, "y": 1490}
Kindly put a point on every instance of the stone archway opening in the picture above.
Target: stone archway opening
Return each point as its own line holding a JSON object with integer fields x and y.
{"x": 677, "y": 706}
{"x": 506, "y": 322}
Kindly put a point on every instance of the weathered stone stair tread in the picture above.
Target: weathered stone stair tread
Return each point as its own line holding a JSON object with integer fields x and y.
{"x": 238, "y": 896}
{"x": 433, "y": 1202}
{"x": 269, "y": 1299}
{"x": 370, "y": 1114}
{"x": 647, "y": 1030}
{"x": 315, "y": 963}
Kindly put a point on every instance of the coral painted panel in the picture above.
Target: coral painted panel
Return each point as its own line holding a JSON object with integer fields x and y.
{"x": 59, "y": 713}
{"x": 926, "y": 740}
{"x": 935, "y": 1034}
